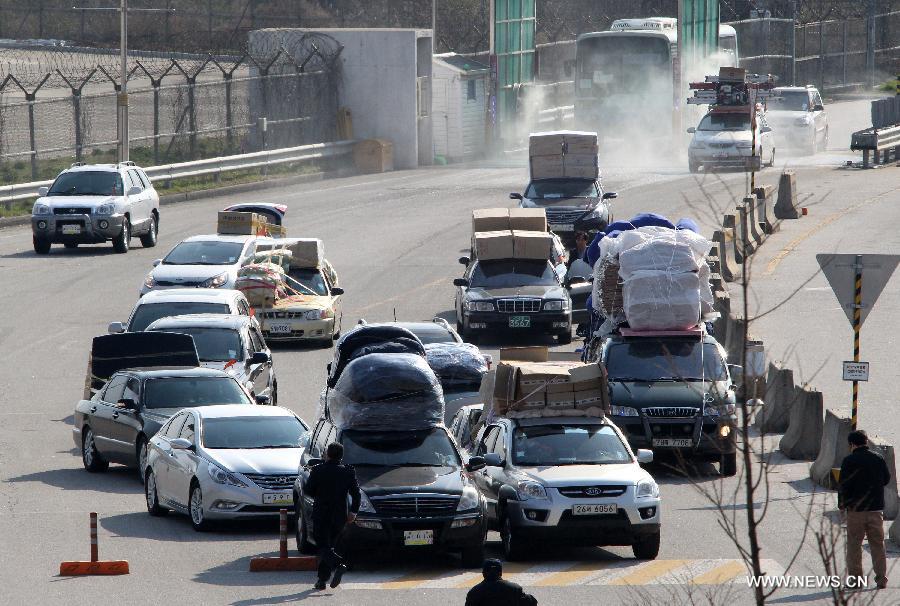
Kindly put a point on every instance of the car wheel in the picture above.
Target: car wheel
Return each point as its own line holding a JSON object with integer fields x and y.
{"x": 513, "y": 547}
{"x": 772, "y": 161}
{"x": 646, "y": 548}
{"x": 41, "y": 245}
{"x": 91, "y": 459}
{"x": 728, "y": 465}
{"x": 694, "y": 167}
{"x": 302, "y": 534}
{"x": 274, "y": 392}
{"x": 148, "y": 240}
{"x": 195, "y": 506}
{"x": 141, "y": 450}
{"x": 564, "y": 338}
{"x": 70, "y": 245}
{"x": 123, "y": 240}
{"x": 473, "y": 557}
{"x": 150, "y": 493}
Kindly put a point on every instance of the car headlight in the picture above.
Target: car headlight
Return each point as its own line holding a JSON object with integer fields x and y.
{"x": 743, "y": 144}
{"x": 470, "y": 499}
{"x": 698, "y": 144}
{"x": 105, "y": 209}
{"x": 560, "y": 305}
{"x": 319, "y": 314}
{"x": 220, "y": 476}
{"x": 528, "y": 489}
{"x": 647, "y": 488}
{"x": 596, "y": 213}
{"x": 479, "y": 306}
{"x": 40, "y": 209}
{"x": 714, "y": 410}
{"x": 365, "y": 505}
{"x": 215, "y": 281}
{"x": 623, "y": 411}
{"x": 149, "y": 281}
{"x": 803, "y": 121}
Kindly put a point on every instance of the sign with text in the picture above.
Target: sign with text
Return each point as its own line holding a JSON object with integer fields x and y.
{"x": 856, "y": 371}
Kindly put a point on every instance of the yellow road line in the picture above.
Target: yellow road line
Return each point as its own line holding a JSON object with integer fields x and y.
{"x": 572, "y": 575}
{"x": 720, "y": 574}
{"x": 649, "y": 572}
{"x": 411, "y": 580}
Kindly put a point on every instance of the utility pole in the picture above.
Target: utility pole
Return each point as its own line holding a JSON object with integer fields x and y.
{"x": 433, "y": 25}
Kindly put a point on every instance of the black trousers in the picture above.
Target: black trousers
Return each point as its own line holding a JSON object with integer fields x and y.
{"x": 326, "y": 533}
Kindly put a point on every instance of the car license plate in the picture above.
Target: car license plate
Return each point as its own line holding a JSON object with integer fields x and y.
{"x": 721, "y": 155}
{"x": 418, "y": 537}
{"x": 279, "y": 329}
{"x": 278, "y": 498}
{"x": 71, "y": 229}
{"x": 593, "y": 509}
{"x": 674, "y": 442}
{"x": 519, "y": 321}
{"x": 563, "y": 227}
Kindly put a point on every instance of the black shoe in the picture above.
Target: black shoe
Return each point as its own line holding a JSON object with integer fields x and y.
{"x": 338, "y": 574}
{"x": 320, "y": 585}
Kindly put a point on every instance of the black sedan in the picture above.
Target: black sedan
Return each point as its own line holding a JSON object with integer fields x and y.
{"x": 115, "y": 424}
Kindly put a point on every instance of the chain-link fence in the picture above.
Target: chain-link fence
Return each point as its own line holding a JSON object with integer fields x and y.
{"x": 62, "y": 104}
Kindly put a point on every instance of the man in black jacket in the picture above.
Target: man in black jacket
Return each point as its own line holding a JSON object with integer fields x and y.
{"x": 328, "y": 484}
{"x": 494, "y": 591}
{"x": 864, "y": 475}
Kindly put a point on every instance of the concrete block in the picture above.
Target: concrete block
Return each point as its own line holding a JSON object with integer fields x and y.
{"x": 712, "y": 259}
{"x": 734, "y": 339}
{"x": 716, "y": 282}
{"x": 744, "y": 238}
{"x": 726, "y": 263}
{"x": 780, "y": 393}
{"x": 766, "y": 210}
{"x": 751, "y": 203}
{"x": 891, "y": 498}
{"x": 730, "y": 225}
{"x": 832, "y": 450}
{"x": 786, "y": 206}
{"x": 803, "y": 438}
{"x": 722, "y": 305}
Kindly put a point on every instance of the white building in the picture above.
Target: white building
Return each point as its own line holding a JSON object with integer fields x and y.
{"x": 459, "y": 107}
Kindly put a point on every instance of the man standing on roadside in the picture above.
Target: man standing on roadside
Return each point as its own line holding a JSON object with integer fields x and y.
{"x": 864, "y": 475}
{"x": 329, "y": 484}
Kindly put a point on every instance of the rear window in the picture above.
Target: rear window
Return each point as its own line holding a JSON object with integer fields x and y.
{"x": 147, "y": 314}
{"x": 213, "y": 344}
{"x": 182, "y": 392}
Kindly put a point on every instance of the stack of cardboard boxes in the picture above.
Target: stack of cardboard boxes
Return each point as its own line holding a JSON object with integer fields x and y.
{"x": 562, "y": 154}
{"x": 241, "y": 224}
{"x": 510, "y": 233}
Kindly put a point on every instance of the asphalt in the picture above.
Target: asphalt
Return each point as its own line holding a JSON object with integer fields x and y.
{"x": 394, "y": 239}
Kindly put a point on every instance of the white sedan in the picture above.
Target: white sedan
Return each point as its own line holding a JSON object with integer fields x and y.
{"x": 210, "y": 261}
{"x": 726, "y": 140}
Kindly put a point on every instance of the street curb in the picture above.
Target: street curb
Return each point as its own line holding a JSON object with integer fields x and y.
{"x": 216, "y": 192}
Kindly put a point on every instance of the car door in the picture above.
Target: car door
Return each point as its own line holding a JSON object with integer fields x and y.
{"x": 482, "y": 477}
{"x": 101, "y": 418}
{"x": 261, "y": 375}
{"x": 135, "y": 204}
{"x": 163, "y": 464}
{"x": 496, "y": 476}
{"x": 819, "y": 117}
{"x": 152, "y": 196}
{"x": 183, "y": 462}
{"x": 126, "y": 423}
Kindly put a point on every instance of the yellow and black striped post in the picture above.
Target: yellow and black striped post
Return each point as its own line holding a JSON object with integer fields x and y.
{"x": 857, "y": 322}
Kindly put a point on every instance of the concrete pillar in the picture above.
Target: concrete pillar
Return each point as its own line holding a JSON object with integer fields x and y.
{"x": 766, "y": 212}
{"x": 832, "y": 450}
{"x": 804, "y": 437}
{"x": 725, "y": 249}
{"x": 786, "y": 206}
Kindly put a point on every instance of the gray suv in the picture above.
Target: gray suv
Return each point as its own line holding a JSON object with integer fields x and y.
{"x": 92, "y": 204}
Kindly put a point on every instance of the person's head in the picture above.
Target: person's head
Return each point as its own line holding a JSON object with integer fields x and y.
{"x": 581, "y": 240}
{"x": 857, "y": 438}
{"x": 492, "y": 569}
{"x": 334, "y": 452}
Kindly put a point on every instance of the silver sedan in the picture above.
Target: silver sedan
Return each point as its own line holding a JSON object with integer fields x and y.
{"x": 224, "y": 462}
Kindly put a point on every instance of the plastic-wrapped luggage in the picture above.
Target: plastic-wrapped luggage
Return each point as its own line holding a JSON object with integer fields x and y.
{"x": 661, "y": 300}
{"x": 456, "y": 364}
{"x": 386, "y": 392}
{"x": 261, "y": 283}
{"x": 366, "y": 339}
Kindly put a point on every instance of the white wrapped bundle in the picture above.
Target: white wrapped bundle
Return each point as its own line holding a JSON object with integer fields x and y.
{"x": 659, "y": 300}
{"x": 657, "y": 248}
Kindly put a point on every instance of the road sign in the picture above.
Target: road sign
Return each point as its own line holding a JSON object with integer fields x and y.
{"x": 856, "y": 371}
{"x": 841, "y": 271}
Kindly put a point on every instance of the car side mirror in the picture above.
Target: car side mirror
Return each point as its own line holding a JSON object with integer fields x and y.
{"x": 610, "y": 195}
{"x": 691, "y": 130}
{"x": 765, "y": 129}
{"x": 475, "y": 463}
{"x": 134, "y": 190}
{"x": 515, "y": 196}
{"x": 336, "y": 290}
{"x": 260, "y": 357}
{"x": 644, "y": 456}
{"x": 126, "y": 404}
{"x": 460, "y": 282}
{"x": 42, "y": 191}
{"x": 115, "y": 328}
{"x": 464, "y": 260}
{"x": 818, "y": 108}
{"x": 181, "y": 444}
{"x": 492, "y": 459}
{"x": 263, "y": 400}
{"x": 313, "y": 462}
{"x": 156, "y": 262}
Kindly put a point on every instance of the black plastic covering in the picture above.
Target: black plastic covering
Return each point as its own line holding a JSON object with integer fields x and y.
{"x": 457, "y": 365}
{"x": 387, "y": 392}
{"x": 110, "y": 353}
{"x": 364, "y": 340}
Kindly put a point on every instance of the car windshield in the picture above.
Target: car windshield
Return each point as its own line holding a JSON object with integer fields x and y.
{"x": 512, "y": 274}
{"x": 561, "y": 188}
{"x": 789, "y": 101}
{"x": 670, "y": 360}
{"x": 548, "y": 445}
{"x": 205, "y": 252}
{"x": 725, "y": 122}
{"x": 305, "y": 279}
{"x": 252, "y": 432}
{"x": 182, "y": 392}
{"x": 428, "y": 448}
{"x": 213, "y": 344}
{"x": 148, "y": 313}
{"x": 87, "y": 183}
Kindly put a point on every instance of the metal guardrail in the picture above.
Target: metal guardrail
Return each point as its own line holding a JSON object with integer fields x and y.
{"x": 210, "y": 166}
{"x": 556, "y": 115}
{"x": 876, "y": 140}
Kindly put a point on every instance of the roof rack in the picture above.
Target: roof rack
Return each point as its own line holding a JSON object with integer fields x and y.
{"x": 441, "y": 321}
{"x": 127, "y": 163}
{"x": 74, "y": 164}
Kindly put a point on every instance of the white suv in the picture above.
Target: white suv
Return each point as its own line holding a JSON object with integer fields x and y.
{"x": 91, "y": 204}
{"x": 798, "y": 116}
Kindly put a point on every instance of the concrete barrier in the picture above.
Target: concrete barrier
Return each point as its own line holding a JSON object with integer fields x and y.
{"x": 752, "y": 205}
{"x": 734, "y": 340}
{"x": 786, "y": 206}
{"x": 832, "y": 450}
{"x": 712, "y": 259}
{"x": 780, "y": 393}
{"x": 803, "y": 439}
{"x": 891, "y": 498}
{"x": 720, "y": 325}
{"x": 726, "y": 266}
{"x": 766, "y": 212}
{"x": 716, "y": 281}
{"x": 730, "y": 229}
{"x": 744, "y": 240}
